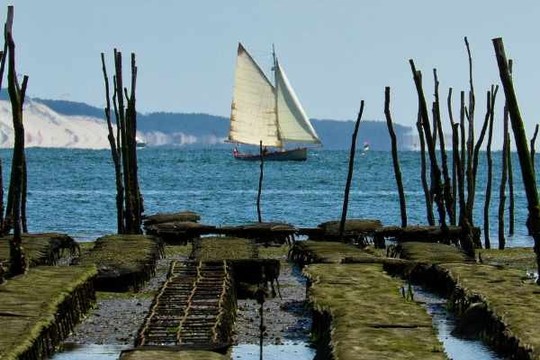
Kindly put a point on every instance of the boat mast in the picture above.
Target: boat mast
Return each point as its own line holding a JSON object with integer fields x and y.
{"x": 275, "y": 69}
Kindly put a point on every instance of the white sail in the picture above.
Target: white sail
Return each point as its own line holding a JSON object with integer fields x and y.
{"x": 253, "y": 115}
{"x": 294, "y": 125}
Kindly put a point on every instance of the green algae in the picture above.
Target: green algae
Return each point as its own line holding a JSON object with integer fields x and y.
{"x": 38, "y": 309}
{"x": 370, "y": 319}
{"x": 124, "y": 262}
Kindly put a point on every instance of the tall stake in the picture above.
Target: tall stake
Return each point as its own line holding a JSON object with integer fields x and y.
{"x": 397, "y": 171}
{"x": 18, "y": 262}
{"x": 491, "y": 102}
{"x": 504, "y": 171}
{"x": 435, "y": 171}
{"x": 261, "y": 153}
{"x": 350, "y": 173}
{"x": 455, "y": 157}
{"x": 527, "y": 171}
{"x": 423, "y": 173}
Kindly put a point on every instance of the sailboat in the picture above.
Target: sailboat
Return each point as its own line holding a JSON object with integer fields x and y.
{"x": 267, "y": 113}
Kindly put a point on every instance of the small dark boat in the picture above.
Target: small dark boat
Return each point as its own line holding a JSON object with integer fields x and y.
{"x": 299, "y": 154}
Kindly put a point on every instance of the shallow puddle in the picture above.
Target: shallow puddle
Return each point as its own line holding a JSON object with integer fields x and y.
{"x": 292, "y": 350}
{"x": 89, "y": 352}
{"x": 296, "y": 351}
{"x": 444, "y": 322}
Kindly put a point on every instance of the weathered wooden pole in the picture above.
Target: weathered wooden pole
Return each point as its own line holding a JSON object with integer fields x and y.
{"x": 435, "y": 171}
{"x": 491, "y": 102}
{"x": 114, "y": 153}
{"x": 447, "y": 186}
{"x": 527, "y": 171}
{"x": 18, "y": 263}
{"x": 533, "y": 142}
{"x": 423, "y": 174}
{"x": 397, "y": 170}
{"x": 469, "y": 112}
{"x": 455, "y": 157}
{"x": 504, "y": 172}
{"x": 261, "y": 174}
{"x": 350, "y": 172}
{"x": 511, "y": 199}
{"x": 123, "y": 148}
{"x": 131, "y": 135}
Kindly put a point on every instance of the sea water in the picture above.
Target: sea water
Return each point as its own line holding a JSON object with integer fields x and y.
{"x": 73, "y": 191}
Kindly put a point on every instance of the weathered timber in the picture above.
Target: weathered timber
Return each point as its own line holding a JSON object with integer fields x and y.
{"x": 350, "y": 172}
{"x": 121, "y": 270}
{"x": 40, "y": 309}
{"x": 527, "y": 169}
{"x": 395, "y": 159}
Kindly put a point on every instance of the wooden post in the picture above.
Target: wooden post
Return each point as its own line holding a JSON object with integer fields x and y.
{"x": 423, "y": 174}
{"x": 491, "y": 103}
{"x": 447, "y": 187}
{"x": 435, "y": 171}
{"x": 397, "y": 171}
{"x": 455, "y": 157}
{"x": 527, "y": 171}
{"x": 261, "y": 154}
{"x": 18, "y": 263}
{"x": 124, "y": 148}
{"x": 114, "y": 153}
{"x": 350, "y": 172}
{"x": 533, "y": 142}
{"x": 502, "y": 186}
{"x": 511, "y": 200}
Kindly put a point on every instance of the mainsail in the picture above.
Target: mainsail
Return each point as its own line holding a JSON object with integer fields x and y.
{"x": 261, "y": 111}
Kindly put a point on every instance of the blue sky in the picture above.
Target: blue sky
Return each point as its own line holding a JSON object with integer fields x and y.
{"x": 335, "y": 53}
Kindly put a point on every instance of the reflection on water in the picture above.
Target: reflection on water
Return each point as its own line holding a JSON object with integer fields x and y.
{"x": 296, "y": 351}
{"x": 89, "y": 352}
{"x": 444, "y": 323}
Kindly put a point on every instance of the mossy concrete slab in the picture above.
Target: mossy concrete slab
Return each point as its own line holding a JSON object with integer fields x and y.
{"x": 370, "y": 319}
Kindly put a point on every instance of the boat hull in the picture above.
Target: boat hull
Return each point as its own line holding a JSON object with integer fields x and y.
{"x": 299, "y": 154}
